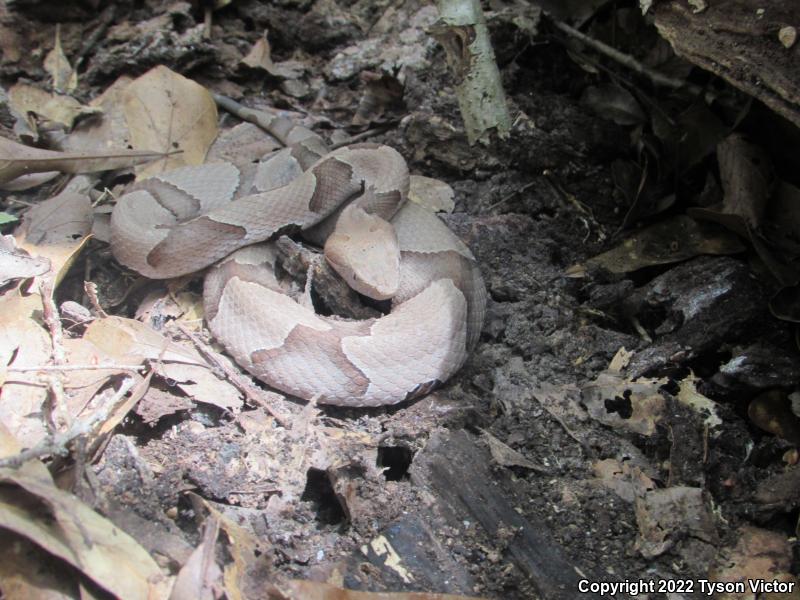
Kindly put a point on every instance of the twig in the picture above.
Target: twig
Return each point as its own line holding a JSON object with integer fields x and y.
{"x": 235, "y": 379}
{"x": 91, "y": 292}
{"x": 58, "y": 415}
{"x": 53, "y": 321}
{"x": 627, "y": 60}
{"x": 57, "y": 444}
{"x": 508, "y": 197}
{"x": 45, "y": 368}
{"x": 364, "y": 135}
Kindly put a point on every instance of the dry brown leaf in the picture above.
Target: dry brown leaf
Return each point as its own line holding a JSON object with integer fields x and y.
{"x": 23, "y": 343}
{"x": 62, "y": 109}
{"x": 202, "y": 385}
{"x": 158, "y": 403}
{"x": 634, "y": 405}
{"x": 27, "y": 572}
{"x": 200, "y": 577}
{"x": 26, "y": 182}
{"x": 787, "y": 36}
{"x": 168, "y": 112}
{"x": 65, "y": 78}
{"x": 105, "y": 131}
{"x": 689, "y": 396}
{"x": 433, "y": 194}
{"x": 758, "y": 554}
{"x": 56, "y": 230}
{"x": 248, "y": 553}
{"x": 162, "y": 306}
{"x": 57, "y": 521}
{"x": 260, "y": 57}
{"x": 18, "y": 159}
{"x": 16, "y": 263}
{"x": 666, "y": 515}
{"x": 668, "y": 241}
{"x": 131, "y": 342}
{"x": 505, "y": 456}
{"x": 626, "y": 480}
{"x": 621, "y": 360}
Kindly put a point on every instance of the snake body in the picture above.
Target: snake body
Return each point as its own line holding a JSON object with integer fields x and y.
{"x": 188, "y": 219}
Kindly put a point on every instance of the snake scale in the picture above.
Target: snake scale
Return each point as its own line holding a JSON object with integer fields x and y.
{"x": 352, "y": 200}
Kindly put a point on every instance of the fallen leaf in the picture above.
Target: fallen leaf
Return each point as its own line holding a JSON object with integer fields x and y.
{"x": 18, "y": 159}
{"x": 167, "y": 112}
{"x": 107, "y": 130}
{"x": 433, "y": 194}
{"x": 202, "y": 385}
{"x": 249, "y": 566}
{"x": 28, "y": 572}
{"x": 60, "y": 523}
{"x": 689, "y": 396}
{"x": 758, "y": 554}
{"x": 158, "y": 403}
{"x": 55, "y": 107}
{"x": 23, "y": 343}
{"x": 56, "y": 63}
{"x": 132, "y": 342}
{"x": 633, "y": 405}
{"x": 666, "y": 515}
{"x": 668, "y": 241}
{"x": 26, "y": 182}
{"x": 260, "y": 57}
{"x": 16, "y": 263}
{"x": 56, "y": 230}
{"x": 200, "y": 577}
{"x": 626, "y": 480}
{"x": 787, "y": 36}
{"x": 621, "y": 360}
{"x": 506, "y": 456}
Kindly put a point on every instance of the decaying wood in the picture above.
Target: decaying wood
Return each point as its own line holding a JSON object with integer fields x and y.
{"x": 737, "y": 42}
{"x": 456, "y": 471}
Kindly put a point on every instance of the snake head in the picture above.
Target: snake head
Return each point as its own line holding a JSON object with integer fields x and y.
{"x": 364, "y": 251}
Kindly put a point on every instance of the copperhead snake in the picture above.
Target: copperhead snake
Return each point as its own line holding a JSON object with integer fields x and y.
{"x": 354, "y": 201}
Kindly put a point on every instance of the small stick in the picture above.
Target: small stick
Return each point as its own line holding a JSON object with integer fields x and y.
{"x": 57, "y": 444}
{"x": 91, "y": 291}
{"x": 626, "y": 60}
{"x": 45, "y": 368}
{"x": 53, "y": 321}
{"x": 508, "y": 197}
{"x": 364, "y": 135}
{"x": 235, "y": 379}
{"x": 58, "y": 415}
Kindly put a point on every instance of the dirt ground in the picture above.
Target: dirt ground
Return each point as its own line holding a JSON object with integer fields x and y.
{"x": 655, "y": 467}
